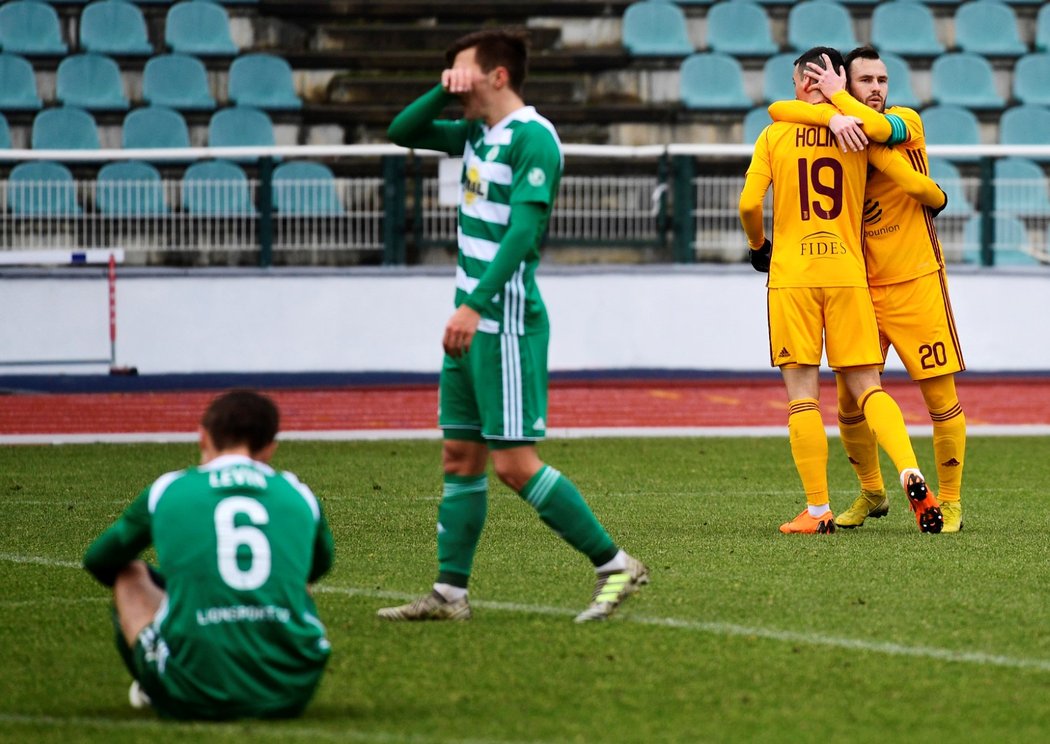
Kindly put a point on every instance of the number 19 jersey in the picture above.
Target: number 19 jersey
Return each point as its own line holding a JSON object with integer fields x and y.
{"x": 818, "y": 199}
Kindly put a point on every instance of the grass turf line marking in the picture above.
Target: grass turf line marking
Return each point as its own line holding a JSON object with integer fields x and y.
{"x": 731, "y": 629}
{"x": 713, "y": 628}
{"x": 15, "y": 604}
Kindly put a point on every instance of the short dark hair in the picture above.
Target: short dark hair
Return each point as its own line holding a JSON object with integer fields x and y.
{"x": 814, "y": 55}
{"x": 497, "y": 47}
{"x": 241, "y": 417}
{"x": 862, "y": 52}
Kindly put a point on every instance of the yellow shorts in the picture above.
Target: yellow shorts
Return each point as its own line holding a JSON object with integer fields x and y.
{"x": 915, "y": 317}
{"x": 803, "y": 320}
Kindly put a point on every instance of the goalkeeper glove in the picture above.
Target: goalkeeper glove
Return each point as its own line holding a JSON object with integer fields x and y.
{"x": 938, "y": 210}
{"x": 760, "y": 256}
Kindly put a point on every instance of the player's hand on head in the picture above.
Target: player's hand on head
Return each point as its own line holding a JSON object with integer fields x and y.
{"x": 848, "y": 132}
{"x": 829, "y": 80}
{"x": 457, "y": 80}
{"x": 760, "y": 257}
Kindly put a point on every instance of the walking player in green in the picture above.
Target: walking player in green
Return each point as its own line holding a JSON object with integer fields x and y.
{"x": 494, "y": 378}
{"x": 224, "y": 627}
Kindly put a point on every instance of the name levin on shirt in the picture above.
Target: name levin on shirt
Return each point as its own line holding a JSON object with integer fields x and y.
{"x": 236, "y": 477}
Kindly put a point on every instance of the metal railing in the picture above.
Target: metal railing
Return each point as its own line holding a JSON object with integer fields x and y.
{"x": 678, "y": 202}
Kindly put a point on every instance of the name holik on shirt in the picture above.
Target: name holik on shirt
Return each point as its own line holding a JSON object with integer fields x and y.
{"x": 814, "y": 137}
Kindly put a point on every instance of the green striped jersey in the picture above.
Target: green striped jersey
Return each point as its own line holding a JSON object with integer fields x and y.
{"x": 518, "y": 160}
{"x": 237, "y": 543}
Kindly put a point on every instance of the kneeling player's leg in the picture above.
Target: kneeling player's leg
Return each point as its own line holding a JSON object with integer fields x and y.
{"x": 555, "y": 498}
{"x": 137, "y": 599}
{"x": 949, "y": 433}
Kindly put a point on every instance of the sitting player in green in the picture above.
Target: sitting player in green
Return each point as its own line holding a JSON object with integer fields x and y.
{"x": 224, "y": 627}
{"x": 493, "y": 388}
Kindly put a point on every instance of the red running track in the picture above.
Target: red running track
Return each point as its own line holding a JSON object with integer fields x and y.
{"x": 657, "y": 404}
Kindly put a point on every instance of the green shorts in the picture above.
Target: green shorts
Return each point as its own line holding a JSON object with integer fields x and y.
{"x": 497, "y": 391}
{"x": 149, "y": 656}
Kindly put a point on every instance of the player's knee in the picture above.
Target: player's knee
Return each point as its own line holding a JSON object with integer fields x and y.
{"x": 463, "y": 458}
{"x": 134, "y": 574}
{"x": 939, "y": 393}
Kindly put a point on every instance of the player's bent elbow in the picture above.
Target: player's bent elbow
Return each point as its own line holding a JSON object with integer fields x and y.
{"x": 750, "y": 211}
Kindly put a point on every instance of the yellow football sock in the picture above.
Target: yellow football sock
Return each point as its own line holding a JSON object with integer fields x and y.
{"x": 809, "y": 448}
{"x": 858, "y": 440}
{"x": 887, "y": 422}
{"x": 949, "y": 434}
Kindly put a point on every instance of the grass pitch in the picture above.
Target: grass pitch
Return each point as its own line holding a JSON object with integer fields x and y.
{"x": 875, "y": 634}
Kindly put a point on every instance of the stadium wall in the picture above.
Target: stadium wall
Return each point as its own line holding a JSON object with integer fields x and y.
{"x": 704, "y": 318}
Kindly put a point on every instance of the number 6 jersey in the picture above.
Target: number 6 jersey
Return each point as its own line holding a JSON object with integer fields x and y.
{"x": 237, "y": 543}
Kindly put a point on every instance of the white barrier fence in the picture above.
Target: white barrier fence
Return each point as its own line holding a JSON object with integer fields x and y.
{"x": 621, "y": 195}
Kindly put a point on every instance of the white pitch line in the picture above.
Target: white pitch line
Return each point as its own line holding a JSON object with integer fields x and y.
{"x": 713, "y": 628}
{"x": 598, "y": 432}
{"x": 731, "y": 629}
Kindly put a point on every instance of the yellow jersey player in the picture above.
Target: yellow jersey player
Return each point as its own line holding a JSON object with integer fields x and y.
{"x": 908, "y": 283}
{"x": 818, "y": 294}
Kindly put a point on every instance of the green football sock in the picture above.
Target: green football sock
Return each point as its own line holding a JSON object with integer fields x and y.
{"x": 461, "y": 516}
{"x": 563, "y": 509}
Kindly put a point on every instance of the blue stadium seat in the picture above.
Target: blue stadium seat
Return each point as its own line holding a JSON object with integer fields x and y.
{"x": 777, "y": 81}
{"x": 902, "y": 92}
{"x": 200, "y": 28}
{"x": 177, "y": 81}
{"x": 951, "y": 125}
{"x": 92, "y": 82}
{"x": 65, "y": 128}
{"x": 1032, "y": 79}
{"x": 740, "y": 28}
{"x": 305, "y": 189}
{"x": 1025, "y": 125}
{"x": 988, "y": 27}
{"x": 114, "y": 27}
{"x": 756, "y": 120}
{"x": 713, "y": 82}
{"x": 654, "y": 29}
{"x": 964, "y": 79}
{"x": 904, "y": 28}
{"x": 820, "y": 23}
{"x": 42, "y": 189}
{"x": 1042, "y": 30}
{"x": 5, "y": 134}
{"x": 1010, "y": 243}
{"x": 263, "y": 81}
{"x": 17, "y": 84}
{"x": 216, "y": 188}
{"x": 1020, "y": 187}
{"x": 154, "y": 126}
{"x": 130, "y": 189}
{"x": 240, "y": 126}
{"x": 30, "y": 28}
{"x": 948, "y": 178}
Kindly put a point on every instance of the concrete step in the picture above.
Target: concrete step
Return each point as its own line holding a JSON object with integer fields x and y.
{"x": 357, "y": 89}
{"x": 397, "y": 37}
